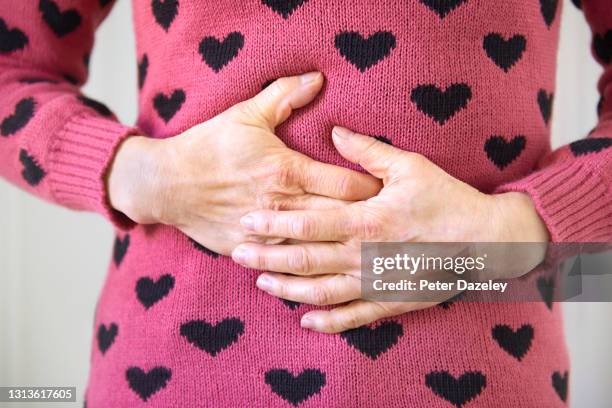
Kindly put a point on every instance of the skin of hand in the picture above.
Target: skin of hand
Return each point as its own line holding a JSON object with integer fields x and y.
{"x": 418, "y": 203}
{"x": 204, "y": 180}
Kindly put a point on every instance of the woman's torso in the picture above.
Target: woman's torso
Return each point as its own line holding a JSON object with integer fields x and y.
{"x": 190, "y": 325}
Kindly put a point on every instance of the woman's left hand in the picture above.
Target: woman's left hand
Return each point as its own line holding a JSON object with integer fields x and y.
{"x": 418, "y": 203}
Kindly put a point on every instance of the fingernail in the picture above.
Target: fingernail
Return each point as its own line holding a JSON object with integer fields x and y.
{"x": 264, "y": 282}
{"x": 248, "y": 222}
{"x": 240, "y": 255}
{"x": 340, "y": 133}
{"x": 307, "y": 322}
{"x": 309, "y": 77}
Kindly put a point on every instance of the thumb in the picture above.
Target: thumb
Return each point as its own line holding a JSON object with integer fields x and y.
{"x": 273, "y": 105}
{"x": 376, "y": 157}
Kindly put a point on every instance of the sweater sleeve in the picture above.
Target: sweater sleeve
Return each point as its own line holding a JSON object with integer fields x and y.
{"x": 572, "y": 186}
{"x": 55, "y": 142}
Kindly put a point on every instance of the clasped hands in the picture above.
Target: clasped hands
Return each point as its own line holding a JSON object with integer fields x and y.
{"x": 233, "y": 186}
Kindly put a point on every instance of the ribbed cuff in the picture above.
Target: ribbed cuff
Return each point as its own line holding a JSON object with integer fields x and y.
{"x": 79, "y": 159}
{"x": 573, "y": 201}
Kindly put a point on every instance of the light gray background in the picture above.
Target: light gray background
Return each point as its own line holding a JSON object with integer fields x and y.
{"x": 53, "y": 261}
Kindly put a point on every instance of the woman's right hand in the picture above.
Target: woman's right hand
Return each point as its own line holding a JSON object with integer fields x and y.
{"x": 204, "y": 180}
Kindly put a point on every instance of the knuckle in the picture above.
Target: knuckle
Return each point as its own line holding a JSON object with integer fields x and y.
{"x": 367, "y": 227}
{"x": 303, "y": 227}
{"x": 349, "y": 321}
{"x": 283, "y": 176}
{"x": 280, "y": 87}
{"x": 300, "y": 261}
{"x": 319, "y": 296}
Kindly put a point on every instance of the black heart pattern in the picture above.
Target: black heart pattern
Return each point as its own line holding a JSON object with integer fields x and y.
{"x": 373, "y": 342}
{"x": 546, "y": 287}
{"x": 143, "y": 68}
{"x": 443, "y": 7}
{"x": 549, "y": 10}
{"x": 24, "y": 111}
{"x": 106, "y": 336}
{"x": 99, "y": 107}
{"x": 217, "y": 54}
{"x": 203, "y": 249}
{"x": 284, "y": 7}
{"x": 150, "y": 292}
{"x": 11, "y": 40}
{"x": 457, "y": 391}
{"x": 167, "y": 107}
{"x": 60, "y": 22}
{"x": 145, "y": 384}
{"x": 559, "y": 383}
{"x": 291, "y": 304}
{"x": 362, "y": 52}
{"x": 602, "y": 45}
{"x": 504, "y": 53}
{"x": 165, "y": 12}
{"x": 545, "y": 102}
{"x": 501, "y": 152}
{"x": 516, "y": 343}
{"x": 120, "y": 248}
{"x": 213, "y": 338}
{"x": 441, "y": 105}
{"x": 32, "y": 173}
{"x": 448, "y": 303}
{"x": 295, "y": 389}
{"x": 590, "y": 145}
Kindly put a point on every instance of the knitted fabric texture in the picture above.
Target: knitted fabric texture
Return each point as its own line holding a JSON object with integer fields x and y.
{"x": 467, "y": 83}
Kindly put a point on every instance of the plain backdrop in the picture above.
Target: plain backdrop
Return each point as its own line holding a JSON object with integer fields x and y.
{"x": 53, "y": 261}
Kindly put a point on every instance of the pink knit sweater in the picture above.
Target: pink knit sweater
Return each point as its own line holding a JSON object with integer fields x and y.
{"x": 467, "y": 83}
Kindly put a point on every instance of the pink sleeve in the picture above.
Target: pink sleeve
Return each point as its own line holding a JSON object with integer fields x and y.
{"x": 571, "y": 187}
{"x": 55, "y": 142}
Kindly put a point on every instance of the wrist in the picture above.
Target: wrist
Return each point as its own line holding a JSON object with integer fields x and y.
{"x": 518, "y": 218}
{"x": 132, "y": 179}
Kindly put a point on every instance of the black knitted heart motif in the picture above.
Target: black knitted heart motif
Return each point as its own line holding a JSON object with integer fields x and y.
{"x": 514, "y": 342}
{"x": 362, "y": 52}
{"x": 165, "y": 12}
{"x": 590, "y": 145}
{"x": 150, "y": 292}
{"x": 284, "y": 7}
{"x": 143, "y": 67}
{"x": 60, "y": 22}
{"x": 11, "y": 39}
{"x": 546, "y": 287}
{"x": 99, "y": 107}
{"x": 295, "y": 389}
{"x": 441, "y": 105}
{"x": 457, "y": 391}
{"x": 32, "y": 173}
{"x": 559, "y": 383}
{"x": 106, "y": 336}
{"x": 549, "y": 10}
{"x": 120, "y": 248}
{"x": 501, "y": 152}
{"x": 504, "y": 53}
{"x": 24, "y": 111}
{"x": 545, "y": 102}
{"x": 602, "y": 44}
{"x": 213, "y": 338}
{"x": 443, "y": 7}
{"x": 145, "y": 384}
{"x": 168, "y": 106}
{"x": 376, "y": 341}
{"x": 217, "y": 54}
